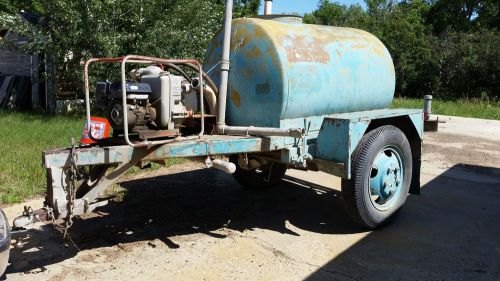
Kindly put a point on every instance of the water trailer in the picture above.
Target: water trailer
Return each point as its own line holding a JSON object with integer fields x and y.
{"x": 272, "y": 94}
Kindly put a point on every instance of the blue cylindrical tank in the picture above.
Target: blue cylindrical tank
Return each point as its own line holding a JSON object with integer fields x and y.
{"x": 284, "y": 69}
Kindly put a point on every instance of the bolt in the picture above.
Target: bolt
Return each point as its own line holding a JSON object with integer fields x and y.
{"x": 19, "y": 244}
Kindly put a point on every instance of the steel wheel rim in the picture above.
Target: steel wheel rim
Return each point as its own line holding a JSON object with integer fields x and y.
{"x": 386, "y": 178}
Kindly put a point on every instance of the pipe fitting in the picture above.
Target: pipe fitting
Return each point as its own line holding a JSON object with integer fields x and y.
{"x": 222, "y": 165}
{"x": 208, "y": 93}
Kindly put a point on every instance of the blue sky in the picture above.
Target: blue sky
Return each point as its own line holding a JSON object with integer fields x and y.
{"x": 302, "y": 6}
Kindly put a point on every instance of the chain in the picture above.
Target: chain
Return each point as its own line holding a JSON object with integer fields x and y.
{"x": 50, "y": 214}
{"x": 62, "y": 229}
{"x": 72, "y": 179}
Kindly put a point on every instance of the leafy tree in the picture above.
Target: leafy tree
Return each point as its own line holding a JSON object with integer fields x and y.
{"x": 6, "y": 6}
{"x": 76, "y": 30}
{"x": 245, "y": 8}
{"x": 400, "y": 26}
{"x": 449, "y": 48}
{"x": 339, "y": 15}
{"x": 15, "y": 6}
{"x": 469, "y": 64}
{"x": 463, "y": 15}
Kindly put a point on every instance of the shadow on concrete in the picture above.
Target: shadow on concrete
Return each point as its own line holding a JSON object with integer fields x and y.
{"x": 450, "y": 232}
{"x": 199, "y": 201}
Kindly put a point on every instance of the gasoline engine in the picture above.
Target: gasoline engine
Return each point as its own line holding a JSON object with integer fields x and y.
{"x": 156, "y": 100}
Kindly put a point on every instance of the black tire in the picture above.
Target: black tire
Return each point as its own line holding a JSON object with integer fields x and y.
{"x": 5, "y": 239}
{"x": 258, "y": 179}
{"x": 359, "y": 194}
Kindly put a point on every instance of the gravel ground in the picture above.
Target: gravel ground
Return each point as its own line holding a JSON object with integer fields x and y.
{"x": 189, "y": 223}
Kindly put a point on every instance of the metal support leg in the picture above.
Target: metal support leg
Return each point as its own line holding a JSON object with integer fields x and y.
{"x": 57, "y": 195}
{"x": 111, "y": 178}
{"x": 56, "y": 192}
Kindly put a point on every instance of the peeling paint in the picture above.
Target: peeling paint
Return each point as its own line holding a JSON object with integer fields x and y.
{"x": 235, "y": 97}
{"x": 289, "y": 71}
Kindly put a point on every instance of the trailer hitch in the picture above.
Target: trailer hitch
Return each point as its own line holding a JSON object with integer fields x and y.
{"x": 30, "y": 216}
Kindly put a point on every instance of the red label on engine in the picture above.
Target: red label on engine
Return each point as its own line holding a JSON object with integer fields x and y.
{"x": 99, "y": 128}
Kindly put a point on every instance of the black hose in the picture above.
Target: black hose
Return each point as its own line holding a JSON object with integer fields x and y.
{"x": 178, "y": 69}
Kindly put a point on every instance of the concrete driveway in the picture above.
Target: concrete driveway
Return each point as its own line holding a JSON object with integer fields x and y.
{"x": 180, "y": 224}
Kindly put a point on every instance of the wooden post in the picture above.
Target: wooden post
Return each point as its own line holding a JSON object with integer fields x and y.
{"x": 35, "y": 82}
{"x": 50, "y": 85}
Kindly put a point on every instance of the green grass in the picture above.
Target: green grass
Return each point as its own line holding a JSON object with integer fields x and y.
{"x": 463, "y": 108}
{"x": 23, "y": 137}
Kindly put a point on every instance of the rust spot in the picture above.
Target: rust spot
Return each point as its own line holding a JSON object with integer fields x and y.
{"x": 246, "y": 72}
{"x": 304, "y": 50}
{"x": 240, "y": 39}
{"x": 243, "y": 34}
{"x": 275, "y": 59}
{"x": 255, "y": 52}
{"x": 379, "y": 50}
{"x": 373, "y": 44}
{"x": 235, "y": 97}
{"x": 358, "y": 46}
{"x": 258, "y": 33}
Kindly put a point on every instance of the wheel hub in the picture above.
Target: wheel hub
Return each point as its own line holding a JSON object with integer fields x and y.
{"x": 386, "y": 178}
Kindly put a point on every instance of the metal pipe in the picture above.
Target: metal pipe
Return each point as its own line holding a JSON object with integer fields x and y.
{"x": 268, "y": 7}
{"x": 427, "y": 107}
{"x": 265, "y": 132}
{"x": 209, "y": 94}
{"x": 202, "y": 104}
{"x": 224, "y": 74}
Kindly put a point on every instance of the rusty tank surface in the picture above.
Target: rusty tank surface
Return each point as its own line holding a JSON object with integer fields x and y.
{"x": 284, "y": 69}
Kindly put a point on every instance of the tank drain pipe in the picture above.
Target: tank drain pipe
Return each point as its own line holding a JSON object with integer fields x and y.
{"x": 222, "y": 128}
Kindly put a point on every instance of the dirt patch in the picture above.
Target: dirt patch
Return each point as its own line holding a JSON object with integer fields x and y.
{"x": 188, "y": 223}
{"x": 447, "y": 150}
